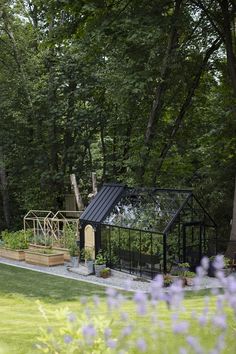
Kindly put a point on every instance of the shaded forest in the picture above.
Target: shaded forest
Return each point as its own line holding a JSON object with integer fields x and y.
{"x": 142, "y": 92}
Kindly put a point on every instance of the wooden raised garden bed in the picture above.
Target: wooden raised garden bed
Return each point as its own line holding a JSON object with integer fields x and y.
{"x": 56, "y": 249}
{"x": 18, "y": 255}
{"x": 47, "y": 259}
{"x": 63, "y": 250}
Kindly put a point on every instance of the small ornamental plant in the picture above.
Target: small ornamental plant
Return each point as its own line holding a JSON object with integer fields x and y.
{"x": 100, "y": 259}
{"x": 87, "y": 254}
{"x": 167, "y": 279}
{"x": 159, "y": 321}
{"x": 105, "y": 273}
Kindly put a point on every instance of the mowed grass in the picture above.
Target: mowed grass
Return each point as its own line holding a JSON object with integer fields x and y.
{"x": 20, "y": 318}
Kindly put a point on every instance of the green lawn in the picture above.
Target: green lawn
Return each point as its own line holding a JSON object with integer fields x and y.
{"x": 20, "y": 318}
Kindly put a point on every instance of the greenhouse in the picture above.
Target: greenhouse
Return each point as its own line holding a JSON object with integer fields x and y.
{"x": 148, "y": 231}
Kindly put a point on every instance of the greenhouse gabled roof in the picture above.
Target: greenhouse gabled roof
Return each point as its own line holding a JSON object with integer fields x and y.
{"x": 152, "y": 210}
{"x": 102, "y": 203}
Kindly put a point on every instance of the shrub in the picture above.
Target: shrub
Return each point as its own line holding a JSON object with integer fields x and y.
{"x": 87, "y": 254}
{"x": 16, "y": 240}
{"x": 100, "y": 258}
{"x": 70, "y": 237}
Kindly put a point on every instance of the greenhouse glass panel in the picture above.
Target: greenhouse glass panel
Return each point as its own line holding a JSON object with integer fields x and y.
{"x": 147, "y": 210}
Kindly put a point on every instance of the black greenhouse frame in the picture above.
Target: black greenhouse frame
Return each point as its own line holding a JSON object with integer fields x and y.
{"x": 149, "y": 231}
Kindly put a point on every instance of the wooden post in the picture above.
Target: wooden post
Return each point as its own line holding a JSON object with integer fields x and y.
{"x": 78, "y": 198}
{"x": 94, "y": 183}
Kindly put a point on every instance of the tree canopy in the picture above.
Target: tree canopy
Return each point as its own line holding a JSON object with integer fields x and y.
{"x": 142, "y": 92}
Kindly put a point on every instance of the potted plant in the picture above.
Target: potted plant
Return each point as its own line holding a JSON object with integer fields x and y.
{"x": 87, "y": 254}
{"x": 46, "y": 257}
{"x": 167, "y": 280}
{"x": 70, "y": 241}
{"x": 100, "y": 263}
{"x": 105, "y": 273}
{"x": 14, "y": 244}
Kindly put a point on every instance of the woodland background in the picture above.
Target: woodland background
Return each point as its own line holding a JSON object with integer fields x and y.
{"x": 143, "y": 92}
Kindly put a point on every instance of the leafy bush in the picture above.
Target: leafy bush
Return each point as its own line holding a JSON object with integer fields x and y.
{"x": 42, "y": 240}
{"x": 87, "y": 254}
{"x": 100, "y": 258}
{"x": 70, "y": 236}
{"x": 144, "y": 330}
{"x": 16, "y": 240}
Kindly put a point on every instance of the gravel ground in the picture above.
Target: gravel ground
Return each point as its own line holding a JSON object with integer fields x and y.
{"x": 118, "y": 279}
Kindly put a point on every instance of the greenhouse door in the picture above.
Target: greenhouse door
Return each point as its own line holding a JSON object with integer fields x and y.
{"x": 193, "y": 238}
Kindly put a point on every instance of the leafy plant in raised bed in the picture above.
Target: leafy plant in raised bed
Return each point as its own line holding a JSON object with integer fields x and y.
{"x": 18, "y": 240}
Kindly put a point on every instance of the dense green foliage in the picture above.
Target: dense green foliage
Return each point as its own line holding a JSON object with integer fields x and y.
{"x": 140, "y": 92}
{"x": 18, "y": 240}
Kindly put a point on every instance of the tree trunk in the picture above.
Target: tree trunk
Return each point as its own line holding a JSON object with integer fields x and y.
{"x": 233, "y": 229}
{"x": 4, "y": 190}
{"x": 228, "y": 39}
{"x": 187, "y": 103}
{"x": 231, "y": 249}
{"x": 160, "y": 90}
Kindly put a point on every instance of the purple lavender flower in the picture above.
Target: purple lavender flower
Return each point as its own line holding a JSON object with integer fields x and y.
{"x": 124, "y": 316}
{"x": 71, "y": 317}
{"x": 231, "y": 284}
{"x": 141, "y": 345}
{"x": 183, "y": 350}
{"x": 68, "y": 339}
{"x": 202, "y": 320}
{"x": 200, "y": 271}
{"x": 205, "y": 263}
{"x": 107, "y": 332}
{"x": 111, "y": 343}
{"x": 220, "y": 321}
{"x": 111, "y": 292}
{"x": 194, "y": 343}
{"x": 89, "y": 331}
{"x": 140, "y": 297}
{"x": 112, "y": 303}
{"x": 180, "y": 327}
{"x": 126, "y": 331}
{"x": 218, "y": 262}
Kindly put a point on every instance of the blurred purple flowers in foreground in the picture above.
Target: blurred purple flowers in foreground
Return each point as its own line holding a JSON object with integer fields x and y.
{"x": 160, "y": 321}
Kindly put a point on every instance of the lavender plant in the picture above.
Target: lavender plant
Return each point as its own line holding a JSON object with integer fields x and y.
{"x": 160, "y": 321}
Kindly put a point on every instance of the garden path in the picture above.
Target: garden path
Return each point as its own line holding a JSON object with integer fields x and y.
{"x": 118, "y": 280}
